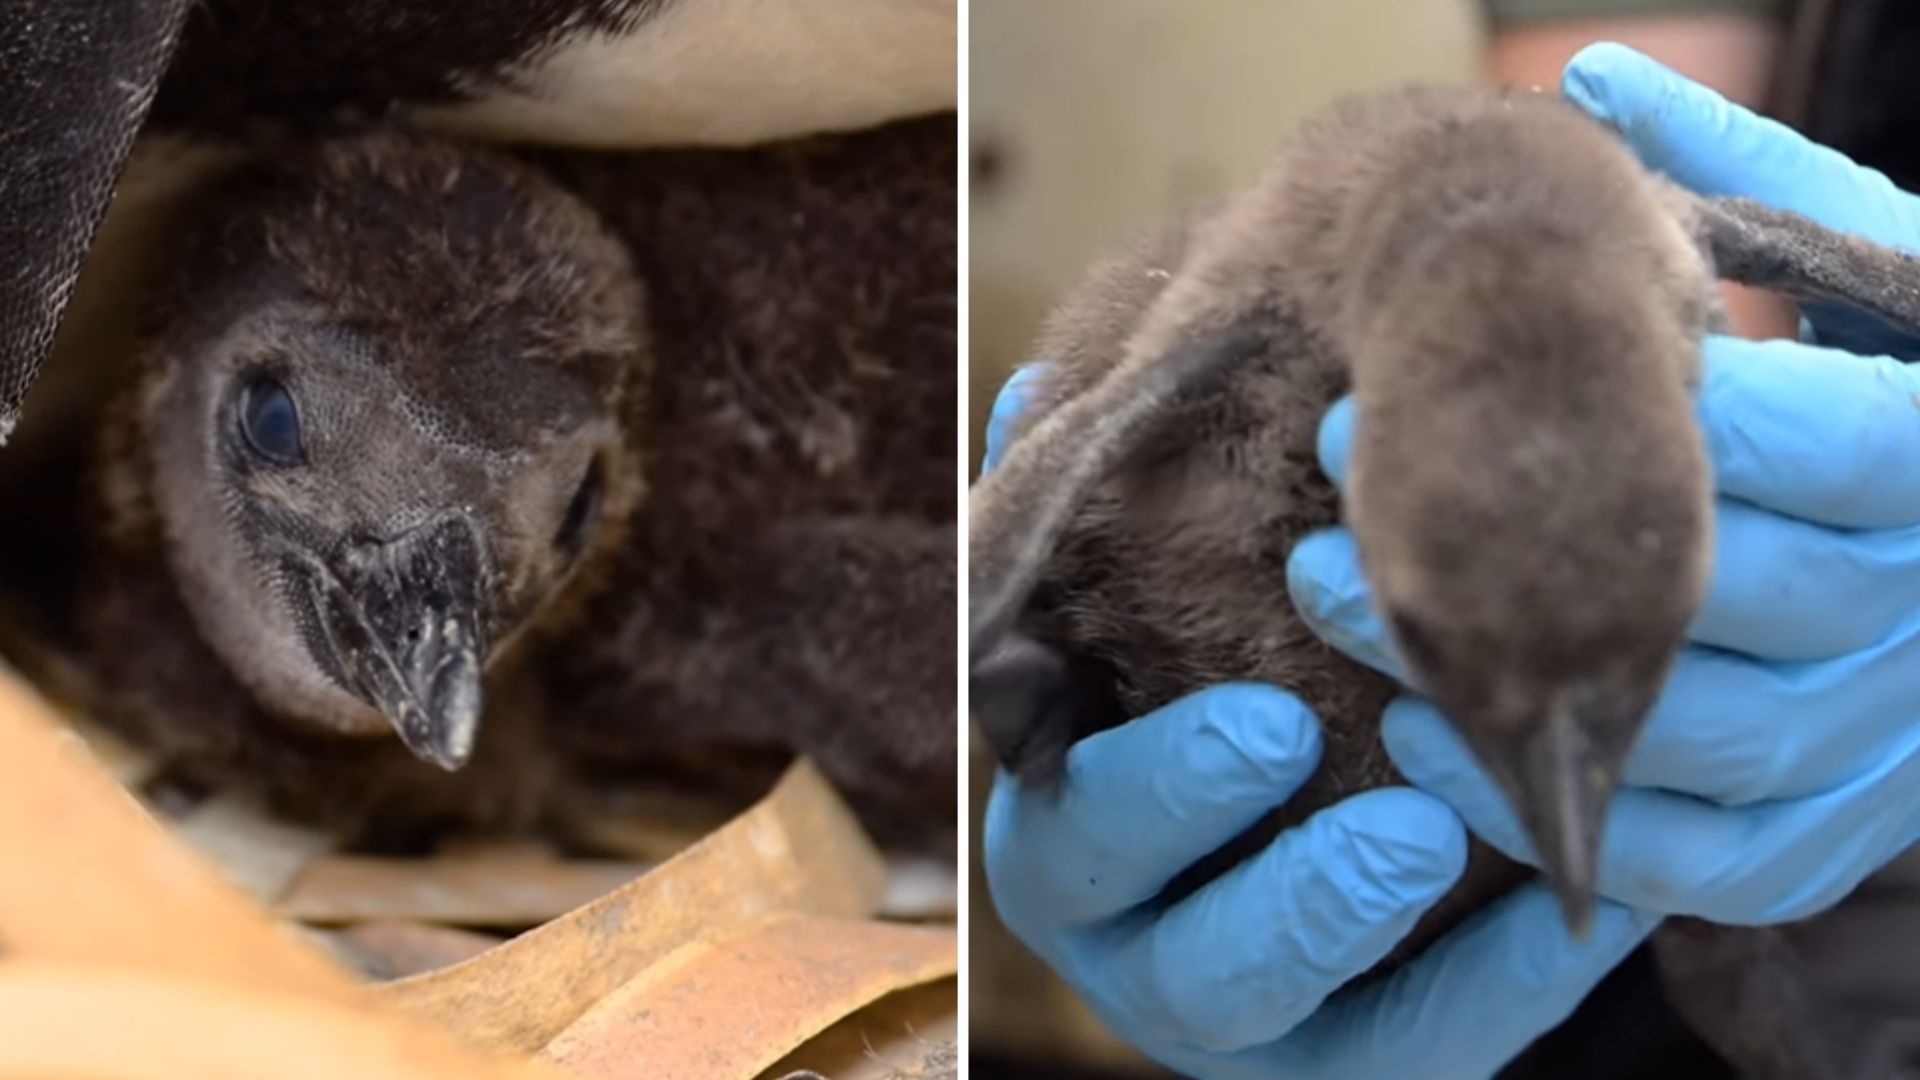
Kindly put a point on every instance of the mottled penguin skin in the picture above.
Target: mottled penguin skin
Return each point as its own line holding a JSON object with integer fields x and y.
{"x": 1517, "y": 307}
{"x": 692, "y": 413}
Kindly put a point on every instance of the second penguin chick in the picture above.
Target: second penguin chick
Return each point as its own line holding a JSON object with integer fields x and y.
{"x": 1518, "y": 312}
{"x": 1517, "y": 307}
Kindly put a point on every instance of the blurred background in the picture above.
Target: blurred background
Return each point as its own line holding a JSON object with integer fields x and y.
{"x": 1093, "y": 119}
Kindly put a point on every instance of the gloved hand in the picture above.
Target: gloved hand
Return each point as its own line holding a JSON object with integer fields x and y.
{"x": 1781, "y": 765}
{"x": 1232, "y": 982}
{"x": 1714, "y": 147}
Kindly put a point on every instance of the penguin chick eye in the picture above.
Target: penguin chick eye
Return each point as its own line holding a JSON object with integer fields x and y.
{"x": 581, "y": 512}
{"x": 270, "y": 422}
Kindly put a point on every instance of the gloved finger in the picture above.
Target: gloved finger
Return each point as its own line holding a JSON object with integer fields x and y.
{"x": 1726, "y": 727}
{"x": 1335, "y": 441}
{"x": 1782, "y": 589}
{"x": 1818, "y": 434}
{"x": 1432, "y": 1018}
{"x": 1012, "y": 398}
{"x": 1248, "y": 957}
{"x": 1760, "y": 864}
{"x": 1142, "y": 802}
{"x": 1329, "y": 590}
{"x": 1732, "y": 730}
{"x": 1714, "y": 147}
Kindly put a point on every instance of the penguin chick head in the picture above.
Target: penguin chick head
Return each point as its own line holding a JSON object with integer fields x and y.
{"x": 381, "y": 419}
{"x": 1531, "y": 498}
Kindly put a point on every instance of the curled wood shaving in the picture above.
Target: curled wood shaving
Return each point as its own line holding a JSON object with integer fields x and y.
{"x": 510, "y": 890}
{"x": 799, "y": 849}
{"x": 727, "y": 1009}
{"x": 62, "y": 1022}
{"x": 91, "y": 878}
{"x": 394, "y": 950}
{"x": 910, "y": 1034}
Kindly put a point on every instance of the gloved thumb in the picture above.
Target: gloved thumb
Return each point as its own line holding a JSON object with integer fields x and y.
{"x": 1714, "y": 147}
{"x": 1006, "y": 408}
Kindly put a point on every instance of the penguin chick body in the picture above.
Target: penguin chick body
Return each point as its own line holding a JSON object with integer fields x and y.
{"x": 1517, "y": 307}
{"x": 410, "y": 449}
{"x": 1523, "y": 405}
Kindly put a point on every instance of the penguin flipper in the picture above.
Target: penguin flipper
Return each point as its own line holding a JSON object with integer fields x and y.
{"x": 76, "y": 80}
{"x": 1754, "y": 244}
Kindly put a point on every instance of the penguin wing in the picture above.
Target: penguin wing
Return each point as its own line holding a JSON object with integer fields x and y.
{"x": 724, "y": 73}
{"x": 76, "y": 80}
{"x": 1755, "y": 244}
{"x": 80, "y": 79}
{"x": 613, "y": 74}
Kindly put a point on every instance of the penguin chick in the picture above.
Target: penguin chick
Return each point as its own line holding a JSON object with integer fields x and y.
{"x": 1525, "y": 431}
{"x": 465, "y": 347}
{"x": 380, "y": 428}
{"x": 1517, "y": 307}
{"x": 1506, "y": 354}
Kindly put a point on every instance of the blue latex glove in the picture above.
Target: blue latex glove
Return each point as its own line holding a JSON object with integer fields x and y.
{"x": 1231, "y": 982}
{"x": 1782, "y": 764}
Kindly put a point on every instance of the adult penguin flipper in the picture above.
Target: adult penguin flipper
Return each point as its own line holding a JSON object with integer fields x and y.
{"x": 76, "y": 80}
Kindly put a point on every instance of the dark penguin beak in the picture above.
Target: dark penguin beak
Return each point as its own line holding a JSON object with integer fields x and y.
{"x": 1559, "y": 778}
{"x": 404, "y": 622}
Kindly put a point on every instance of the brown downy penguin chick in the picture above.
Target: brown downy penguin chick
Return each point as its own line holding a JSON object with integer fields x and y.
{"x": 379, "y": 430}
{"x": 411, "y": 449}
{"x": 1517, "y": 306}
{"x": 1506, "y": 353}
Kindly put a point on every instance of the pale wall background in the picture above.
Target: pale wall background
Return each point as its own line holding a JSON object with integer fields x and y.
{"x": 1104, "y": 115}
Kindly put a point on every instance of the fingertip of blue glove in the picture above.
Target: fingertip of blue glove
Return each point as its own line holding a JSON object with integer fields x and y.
{"x": 1006, "y": 408}
{"x": 1328, "y": 588}
{"x": 1428, "y": 751}
{"x": 1262, "y": 725}
{"x": 1675, "y": 125}
{"x": 1422, "y": 744}
{"x": 1335, "y": 442}
{"x": 1415, "y": 725}
{"x": 1769, "y": 411}
{"x": 1398, "y": 847}
{"x": 1594, "y": 75}
{"x": 1323, "y": 573}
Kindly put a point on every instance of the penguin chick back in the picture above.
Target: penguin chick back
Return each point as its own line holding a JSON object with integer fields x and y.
{"x": 1522, "y": 317}
{"x": 1518, "y": 316}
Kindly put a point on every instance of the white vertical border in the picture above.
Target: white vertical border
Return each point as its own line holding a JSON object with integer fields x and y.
{"x": 962, "y": 462}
